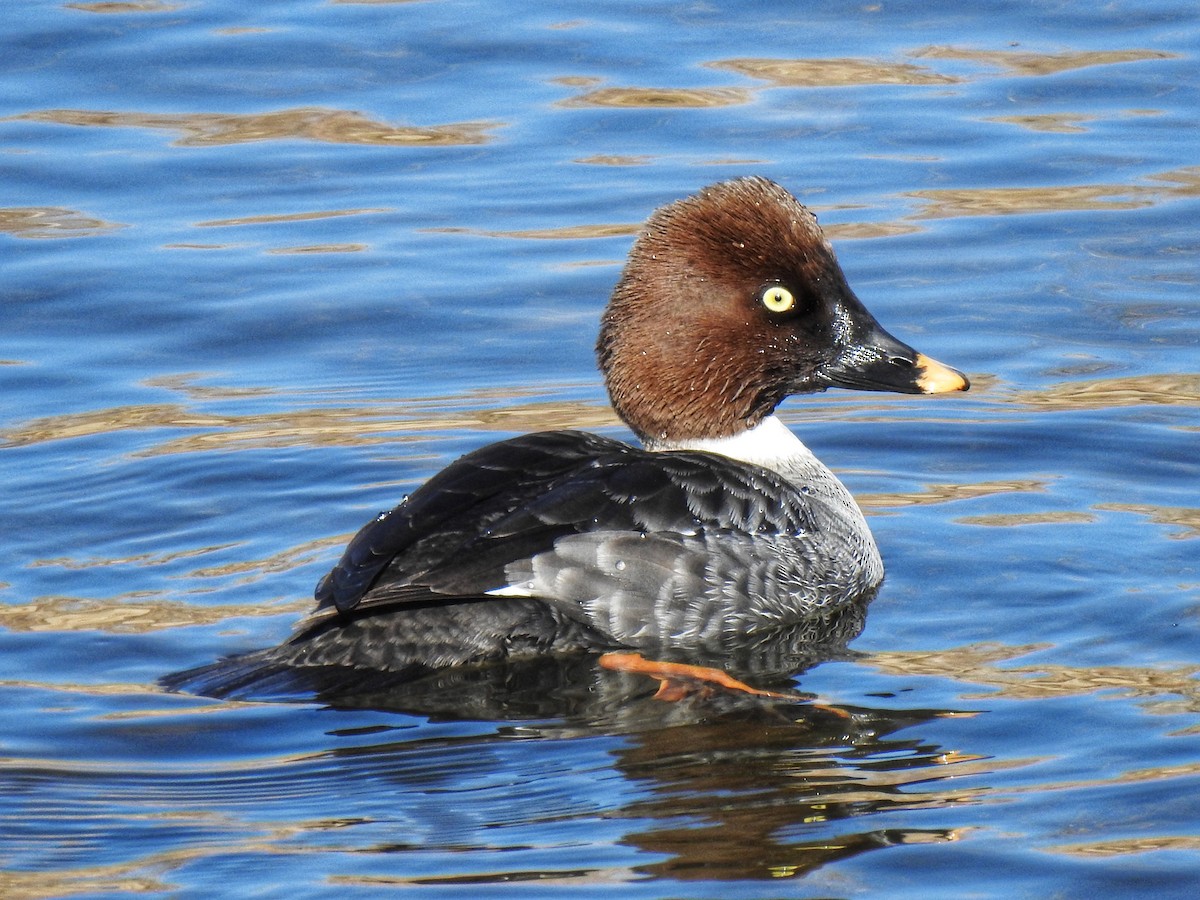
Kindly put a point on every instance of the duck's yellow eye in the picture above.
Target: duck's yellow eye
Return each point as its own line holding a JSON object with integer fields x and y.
{"x": 778, "y": 299}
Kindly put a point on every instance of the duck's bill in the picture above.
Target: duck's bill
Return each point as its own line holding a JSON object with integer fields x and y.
{"x": 882, "y": 363}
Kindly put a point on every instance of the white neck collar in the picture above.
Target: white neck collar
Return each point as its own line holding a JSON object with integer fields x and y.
{"x": 769, "y": 444}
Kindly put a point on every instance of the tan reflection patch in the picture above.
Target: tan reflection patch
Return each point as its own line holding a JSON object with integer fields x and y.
{"x": 576, "y": 81}
{"x": 333, "y": 126}
{"x": 132, "y": 614}
{"x": 1185, "y": 517}
{"x": 1183, "y": 182}
{"x": 51, "y": 222}
{"x": 1061, "y": 123}
{"x": 977, "y": 663}
{"x": 831, "y": 72}
{"x": 1021, "y": 62}
{"x": 1009, "y": 520}
{"x": 952, "y": 203}
{"x": 1186, "y": 181}
{"x": 1129, "y": 846}
{"x": 566, "y": 233}
{"x": 319, "y": 248}
{"x": 150, "y": 873}
{"x": 310, "y": 216}
{"x": 615, "y": 160}
{"x": 400, "y": 423}
{"x": 1107, "y": 393}
{"x": 140, "y": 559}
{"x": 130, "y": 6}
{"x": 683, "y": 98}
{"x": 856, "y": 231}
{"x": 948, "y": 493}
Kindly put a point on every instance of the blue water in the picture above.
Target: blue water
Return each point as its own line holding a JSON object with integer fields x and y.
{"x": 267, "y": 266}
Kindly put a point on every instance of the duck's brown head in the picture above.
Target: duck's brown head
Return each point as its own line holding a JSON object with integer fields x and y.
{"x": 731, "y": 300}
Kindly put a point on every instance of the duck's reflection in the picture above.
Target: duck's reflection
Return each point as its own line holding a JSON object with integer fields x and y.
{"x": 749, "y": 798}
{"x": 721, "y": 785}
{"x": 726, "y": 787}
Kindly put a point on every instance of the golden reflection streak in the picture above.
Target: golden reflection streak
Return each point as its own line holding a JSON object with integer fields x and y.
{"x": 147, "y": 874}
{"x": 319, "y": 248}
{"x": 940, "y": 204}
{"x": 129, "y": 6}
{"x": 48, "y": 222}
{"x": 194, "y": 706}
{"x": 335, "y": 126}
{"x": 951, "y": 203}
{"x": 1129, "y": 846}
{"x": 977, "y": 663}
{"x": 1185, "y": 517}
{"x": 283, "y": 561}
{"x": 293, "y": 217}
{"x": 139, "y": 559}
{"x": 608, "y": 875}
{"x": 1052, "y": 123}
{"x": 958, "y": 202}
{"x": 1045, "y": 517}
{"x": 565, "y": 233}
{"x": 1169, "y": 389}
{"x": 1026, "y": 63}
{"x": 146, "y": 611}
{"x": 333, "y": 426}
{"x": 879, "y": 787}
{"x": 132, "y": 613}
{"x": 948, "y": 493}
{"x": 399, "y": 421}
{"x": 835, "y": 72}
{"x": 187, "y": 383}
{"x": 614, "y": 159}
{"x": 658, "y": 98}
{"x": 857, "y": 231}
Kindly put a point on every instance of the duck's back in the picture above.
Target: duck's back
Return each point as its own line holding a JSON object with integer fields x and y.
{"x": 647, "y": 548}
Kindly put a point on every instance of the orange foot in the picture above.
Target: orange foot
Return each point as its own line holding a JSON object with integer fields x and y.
{"x": 679, "y": 680}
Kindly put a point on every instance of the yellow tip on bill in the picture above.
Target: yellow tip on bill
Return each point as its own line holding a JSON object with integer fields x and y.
{"x": 936, "y": 378}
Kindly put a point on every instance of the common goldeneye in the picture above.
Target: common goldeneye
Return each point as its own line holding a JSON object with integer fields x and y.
{"x": 723, "y": 527}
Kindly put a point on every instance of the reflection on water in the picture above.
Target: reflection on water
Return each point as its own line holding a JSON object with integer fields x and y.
{"x": 410, "y": 214}
{"x": 219, "y": 129}
{"x": 130, "y": 613}
{"x": 990, "y": 666}
{"x": 1186, "y": 519}
{"x": 741, "y": 799}
{"x": 1025, "y": 63}
{"x": 291, "y": 217}
{"x": 1167, "y": 389}
{"x": 125, "y": 6}
{"x": 51, "y": 222}
{"x": 832, "y": 72}
{"x": 686, "y": 98}
{"x": 737, "y": 795}
{"x": 741, "y": 788}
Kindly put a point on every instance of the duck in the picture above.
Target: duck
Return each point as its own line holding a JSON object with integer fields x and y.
{"x": 720, "y": 528}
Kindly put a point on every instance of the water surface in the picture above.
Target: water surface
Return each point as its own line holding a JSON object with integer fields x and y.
{"x": 269, "y": 266}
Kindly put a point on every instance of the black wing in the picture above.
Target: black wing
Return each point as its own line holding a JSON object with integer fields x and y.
{"x": 511, "y": 501}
